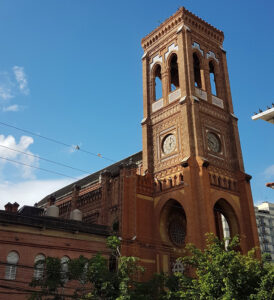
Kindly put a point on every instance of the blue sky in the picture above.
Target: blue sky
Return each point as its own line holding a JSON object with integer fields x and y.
{"x": 71, "y": 70}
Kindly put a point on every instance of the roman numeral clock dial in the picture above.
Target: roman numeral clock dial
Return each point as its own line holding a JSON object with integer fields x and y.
{"x": 213, "y": 142}
{"x": 169, "y": 144}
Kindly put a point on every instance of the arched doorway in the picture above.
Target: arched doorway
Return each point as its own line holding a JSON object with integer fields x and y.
{"x": 225, "y": 220}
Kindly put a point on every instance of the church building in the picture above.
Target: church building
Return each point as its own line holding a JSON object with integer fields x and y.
{"x": 189, "y": 178}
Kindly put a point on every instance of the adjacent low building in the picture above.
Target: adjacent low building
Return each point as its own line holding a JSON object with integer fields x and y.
{"x": 27, "y": 236}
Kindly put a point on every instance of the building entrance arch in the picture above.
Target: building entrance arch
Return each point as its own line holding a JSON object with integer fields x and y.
{"x": 226, "y": 221}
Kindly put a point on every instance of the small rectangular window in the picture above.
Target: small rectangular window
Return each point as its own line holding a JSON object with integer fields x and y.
{"x": 10, "y": 273}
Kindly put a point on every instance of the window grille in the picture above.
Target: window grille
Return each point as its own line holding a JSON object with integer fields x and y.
{"x": 11, "y": 267}
{"x": 39, "y": 266}
{"x": 178, "y": 267}
{"x": 64, "y": 268}
{"x": 177, "y": 231}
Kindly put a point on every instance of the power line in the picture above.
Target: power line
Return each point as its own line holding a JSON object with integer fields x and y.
{"x": 49, "y": 171}
{"x": 57, "y": 142}
{"x": 45, "y": 159}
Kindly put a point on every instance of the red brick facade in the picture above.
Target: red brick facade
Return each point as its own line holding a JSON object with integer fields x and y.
{"x": 30, "y": 236}
{"x": 190, "y": 173}
{"x": 191, "y": 161}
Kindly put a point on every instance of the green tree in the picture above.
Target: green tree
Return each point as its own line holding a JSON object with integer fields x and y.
{"x": 91, "y": 278}
{"x": 217, "y": 272}
{"x": 51, "y": 281}
{"x": 222, "y": 272}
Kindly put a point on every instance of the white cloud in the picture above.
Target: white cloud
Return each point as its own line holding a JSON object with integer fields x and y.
{"x": 5, "y": 92}
{"x": 12, "y": 84}
{"x": 269, "y": 172}
{"x": 14, "y": 107}
{"x": 6, "y": 86}
{"x": 21, "y": 79}
{"x": 22, "y": 145}
{"x": 29, "y": 192}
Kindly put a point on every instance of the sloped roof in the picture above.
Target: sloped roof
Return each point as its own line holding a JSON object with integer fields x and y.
{"x": 114, "y": 169}
{"x": 52, "y": 223}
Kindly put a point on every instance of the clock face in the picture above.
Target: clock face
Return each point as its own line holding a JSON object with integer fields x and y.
{"x": 169, "y": 143}
{"x": 213, "y": 142}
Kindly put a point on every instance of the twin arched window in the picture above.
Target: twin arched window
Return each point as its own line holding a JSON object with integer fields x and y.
{"x": 173, "y": 78}
{"x": 11, "y": 267}
{"x": 197, "y": 74}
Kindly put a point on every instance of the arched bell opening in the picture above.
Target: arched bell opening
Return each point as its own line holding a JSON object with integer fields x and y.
{"x": 173, "y": 73}
{"x": 173, "y": 224}
{"x": 158, "y": 88}
{"x": 197, "y": 71}
{"x": 225, "y": 220}
{"x": 212, "y": 75}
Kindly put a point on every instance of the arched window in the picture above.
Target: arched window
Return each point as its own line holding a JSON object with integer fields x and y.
{"x": 212, "y": 78}
{"x": 115, "y": 226}
{"x": 158, "y": 91}
{"x": 173, "y": 219}
{"x": 39, "y": 264}
{"x": 176, "y": 229}
{"x": 225, "y": 220}
{"x": 12, "y": 260}
{"x": 173, "y": 73}
{"x": 197, "y": 71}
{"x": 64, "y": 268}
{"x": 84, "y": 275}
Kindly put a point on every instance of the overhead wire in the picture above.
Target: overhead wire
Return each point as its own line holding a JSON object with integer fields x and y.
{"x": 42, "y": 169}
{"x": 45, "y": 159}
{"x": 57, "y": 142}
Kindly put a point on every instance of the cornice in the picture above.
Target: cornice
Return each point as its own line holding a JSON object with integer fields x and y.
{"x": 182, "y": 17}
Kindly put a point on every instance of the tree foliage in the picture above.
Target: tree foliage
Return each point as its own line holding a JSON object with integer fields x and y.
{"x": 222, "y": 272}
{"x": 217, "y": 272}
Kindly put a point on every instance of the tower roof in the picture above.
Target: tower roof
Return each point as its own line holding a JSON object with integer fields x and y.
{"x": 178, "y": 19}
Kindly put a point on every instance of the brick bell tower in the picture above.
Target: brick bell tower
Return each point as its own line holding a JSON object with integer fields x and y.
{"x": 191, "y": 146}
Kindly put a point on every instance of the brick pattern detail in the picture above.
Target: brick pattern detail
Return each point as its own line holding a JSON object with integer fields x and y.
{"x": 89, "y": 198}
